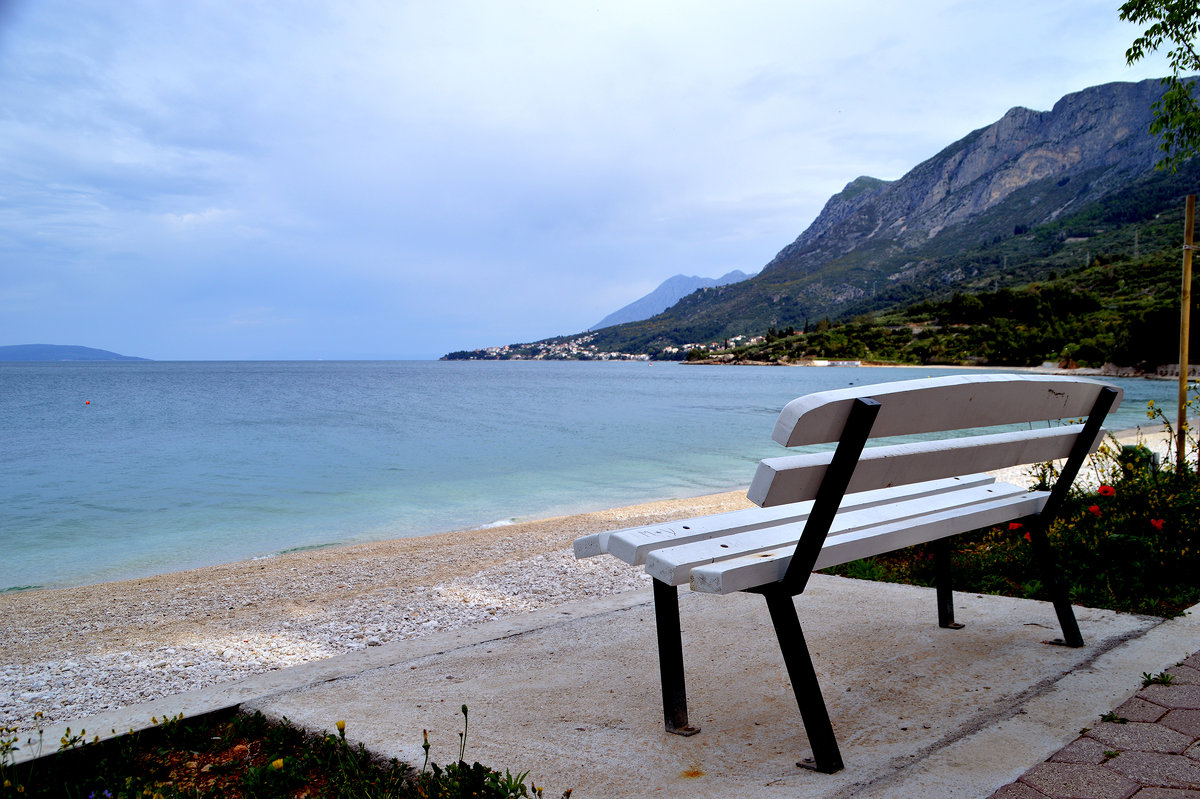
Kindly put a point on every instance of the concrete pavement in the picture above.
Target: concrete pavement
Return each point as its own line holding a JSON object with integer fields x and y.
{"x": 572, "y": 695}
{"x": 917, "y": 709}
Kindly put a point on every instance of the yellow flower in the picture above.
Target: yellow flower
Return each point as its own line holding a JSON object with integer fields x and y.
{"x": 278, "y": 764}
{"x": 341, "y": 725}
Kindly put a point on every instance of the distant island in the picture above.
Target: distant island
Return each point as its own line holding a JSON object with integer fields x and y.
{"x": 59, "y": 352}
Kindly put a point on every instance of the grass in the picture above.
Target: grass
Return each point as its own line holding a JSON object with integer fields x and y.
{"x": 1162, "y": 678}
{"x": 237, "y": 755}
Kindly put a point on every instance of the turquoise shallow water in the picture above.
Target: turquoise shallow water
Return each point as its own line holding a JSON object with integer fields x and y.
{"x": 115, "y": 470}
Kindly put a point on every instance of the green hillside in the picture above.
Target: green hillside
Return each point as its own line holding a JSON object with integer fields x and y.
{"x": 1109, "y": 297}
{"x": 997, "y": 250}
{"x": 1099, "y": 284}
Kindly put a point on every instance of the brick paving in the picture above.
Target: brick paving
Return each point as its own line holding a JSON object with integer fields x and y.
{"x": 1149, "y": 749}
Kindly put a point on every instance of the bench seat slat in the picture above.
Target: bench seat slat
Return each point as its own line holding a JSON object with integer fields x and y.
{"x": 673, "y": 565}
{"x": 634, "y": 543}
{"x": 751, "y": 571}
{"x": 796, "y": 478}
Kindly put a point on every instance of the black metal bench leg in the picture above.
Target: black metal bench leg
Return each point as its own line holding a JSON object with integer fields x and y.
{"x": 945, "y": 585}
{"x": 1054, "y": 584}
{"x": 826, "y": 756}
{"x": 670, "y": 659}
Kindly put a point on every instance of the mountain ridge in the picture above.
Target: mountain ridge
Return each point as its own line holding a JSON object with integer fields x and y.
{"x": 973, "y": 213}
{"x": 1106, "y": 126}
{"x": 669, "y": 292}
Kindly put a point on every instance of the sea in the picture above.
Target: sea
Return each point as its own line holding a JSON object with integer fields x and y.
{"x": 117, "y": 470}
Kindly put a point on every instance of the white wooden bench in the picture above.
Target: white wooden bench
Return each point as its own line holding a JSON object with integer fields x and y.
{"x": 823, "y": 508}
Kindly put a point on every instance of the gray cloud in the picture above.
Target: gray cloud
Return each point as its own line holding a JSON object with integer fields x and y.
{"x": 374, "y": 179}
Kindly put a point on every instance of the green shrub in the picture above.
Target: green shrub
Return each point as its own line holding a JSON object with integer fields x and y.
{"x": 239, "y": 755}
{"x": 1129, "y": 546}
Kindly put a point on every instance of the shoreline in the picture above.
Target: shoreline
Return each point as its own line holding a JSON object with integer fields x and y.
{"x": 1078, "y": 371}
{"x": 144, "y": 553}
{"x": 74, "y": 652}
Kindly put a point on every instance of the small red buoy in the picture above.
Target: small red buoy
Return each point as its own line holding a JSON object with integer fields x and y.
{"x": 87, "y": 402}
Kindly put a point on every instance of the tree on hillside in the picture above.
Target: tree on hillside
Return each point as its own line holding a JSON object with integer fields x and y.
{"x": 1175, "y": 23}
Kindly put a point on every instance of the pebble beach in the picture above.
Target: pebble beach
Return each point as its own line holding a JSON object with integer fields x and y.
{"x": 74, "y": 652}
{"x": 70, "y": 653}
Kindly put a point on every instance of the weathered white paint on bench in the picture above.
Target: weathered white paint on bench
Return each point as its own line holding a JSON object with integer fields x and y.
{"x": 795, "y": 478}
{"x": 633, "y": 543}
{"x": 912, "y": 407}
{"x": 673, "y": 564}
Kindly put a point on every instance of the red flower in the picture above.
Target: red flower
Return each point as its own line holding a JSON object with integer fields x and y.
{"x": 1094, "y": 510}
{"x": 1015, "y": 526}
{"x": 1156, "y": 524}
{"x": 1027, "y": 538}
{"x": 1108, "y": 491}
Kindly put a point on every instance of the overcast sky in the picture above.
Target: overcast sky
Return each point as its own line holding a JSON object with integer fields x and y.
{"x": 242, "y": 179}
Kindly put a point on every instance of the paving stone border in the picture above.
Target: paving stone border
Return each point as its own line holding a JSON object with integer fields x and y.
{"x": 1149, "y": 750}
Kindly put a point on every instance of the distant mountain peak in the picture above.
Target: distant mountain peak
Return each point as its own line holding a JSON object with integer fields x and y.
{"x": 861, "y": 184}
{"x": 669, "y": 292}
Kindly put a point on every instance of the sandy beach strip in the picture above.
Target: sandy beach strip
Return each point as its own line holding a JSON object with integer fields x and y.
{"x": 73, "y": 652}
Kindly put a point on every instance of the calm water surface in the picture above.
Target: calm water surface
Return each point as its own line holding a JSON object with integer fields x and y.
{"x": 115, "y": 470}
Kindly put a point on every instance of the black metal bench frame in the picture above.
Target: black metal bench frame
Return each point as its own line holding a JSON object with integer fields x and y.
{"x": 780, "y": 596}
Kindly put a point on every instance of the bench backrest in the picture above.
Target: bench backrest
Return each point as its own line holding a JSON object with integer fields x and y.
{"x": 954, "y": 402}
{"x": 852, "y": 416}
{"x": 931, "y": 405}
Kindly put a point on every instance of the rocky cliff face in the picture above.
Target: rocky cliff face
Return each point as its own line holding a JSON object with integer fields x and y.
{"x": 1100, "y": 133}
{"x": 950, "y": 224}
